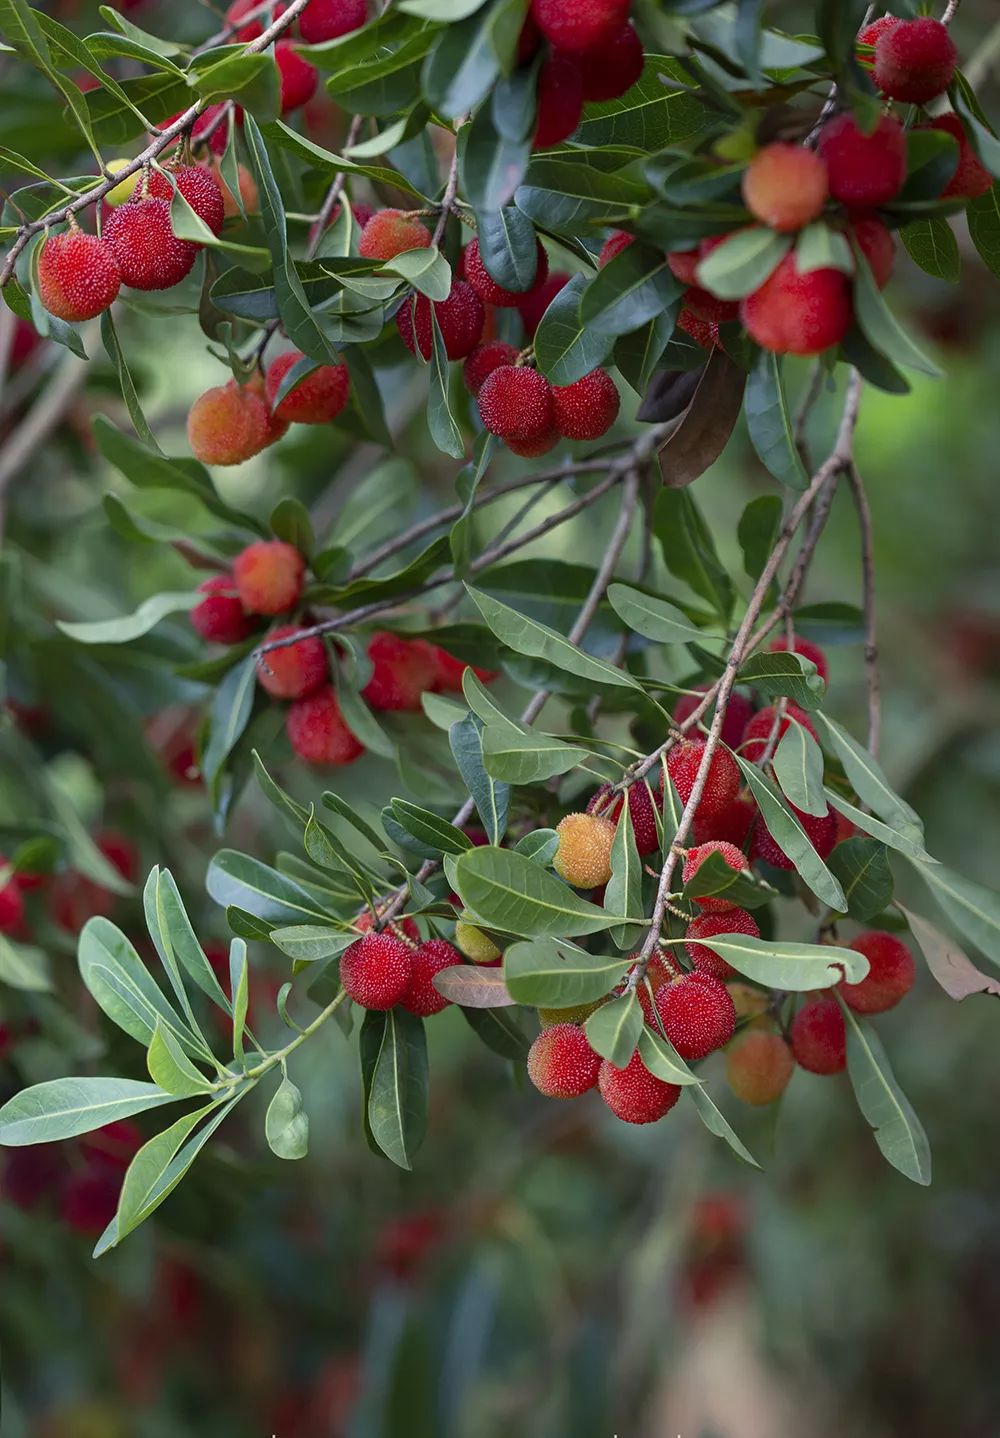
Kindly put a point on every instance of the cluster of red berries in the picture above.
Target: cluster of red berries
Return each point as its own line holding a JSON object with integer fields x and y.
{"x": 268, "y": 580}
{"x": 395, "y": 966}
{"x": 593, "y": 53}
{"x": 320, "y": 20}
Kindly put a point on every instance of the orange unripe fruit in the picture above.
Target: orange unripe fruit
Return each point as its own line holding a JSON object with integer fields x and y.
{"x": 890, "y": 976}
{"x": 474, "y": 944}
{"x": 759, "y": 1064}
{"x": 317, "y": 732}
{"x": 375, "y": 971}
{"x": 220, "y": 617}
{"x": 819, "y": 1036}
{"x": 708, "y": 926}
{"x": 78, "y": 276}
{"x": 799, "y": 314}
{"x": 864, "y": 171}
{"x": 389, "y": 232}
{"x": 583, "y": 858}
{"x": 785, "y": 185}
{"x": 316, "y": 399}
{"x": 914, "y": 60}
{"x": 561, "y": 1063}
{"x": 633, "y": 1094}
{"x": 697, "y": 1014}
{"x": 227, "y": 424}
{"x": 295, "y": 670}
{"x": 734, "y": 857}
{"x": 269, "y": 576}
{"x": 421, "y": 997}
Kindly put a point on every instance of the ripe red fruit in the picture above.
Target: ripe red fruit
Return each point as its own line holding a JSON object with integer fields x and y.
{"x": 534, "y": 304}
{"x": 758, "y": 730}
{"x": 821, "y": 831}
{"x": 560, "y": 101}
{"x": 734, "y": 857}
{"x": 971, "y": 178}
{"x": 739, "y": 712}
{"x": 703, "y": 332}
{"x": 587, "y": 408}
{"x": 819, "y": 1036}
{"x": 561, "y": 1063}
{"x": 486, "y": 286}
{"x": 149, "y": 254}
{"x": 483, "y": 360}
{"x": 403, "y": 670}
{"x": 269, "y": 576}
{"x": 317, "y": 732}
{"x": 220, "y": 617}
{"x": 375, "y": 971}
{"x": 389, "y": 232}
{"x": 421, "y": 997}
{"x": 448, "y": 671}
{"x": 785, "y": 185}
{"x": 255, "y": 28}
{"x": 759, "y": 1064}
{"x": 316, "y": 399}
{"x": 890, "y": 976}
{"x": 297, "y": 77}
{"x": 723, "y": 781}
{"x": 405, "y": 927}
{"x": 11, "y": 904}
{"x": 199, "y": 187}
{"x": 806, "y": 648}
{"x": 877, "y": 245}
{"x": 227, "y": 424}
{"x": 709, "y": 926}
{"x": 633, "y": 1094}
{"x": 864, "y": 171}
{"x": 295, "y": 670}
{"x": 460, "y": 318}
{"x": 914, "y": 60}
{"x": 697, "y": 1014}
{"x": 516, "y": 404}
{"x": 613, "y": 68}
{"x": 617, "y": 241}
{"x": 78, "y": 276}
{"x": 640, "y": 806}
{"x": 869, "y": 36}
{"x": 532, "y": 448}
{"x": 328, "y": 19}
{"x": 579, "y": 24}
{"x": 798, "y": 314}
{"x": 733, "y": 824}
{"x": 703, "y": 304}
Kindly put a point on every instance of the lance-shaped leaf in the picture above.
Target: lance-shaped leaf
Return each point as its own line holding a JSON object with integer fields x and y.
{"x": 862, "y": 866}
{"x": 782, "y": 672}
{"x": 714, "y": 876}
{"x": 971, "y": 907}
{"x": 716, "y": 1123}
{"x": 509, "y": 892}
{"x": 528, "y": 758}
{"x": 63, "y": 1108}
{"x": 397, "y": 1098}
{"x": 780, "y": 964}
{"x": 127, "y": 627}
{"x": 171, "y": 1069}
{"x": 791, "y": 838}
{"x": 707, "y": 423}
{"x": 613, "y": 1030}
{"x": 663, "y": 1060}
{"x": 623, "y": 894}
{"x": 235, "y": 878}
{"x": 492, "y": 798}
{"x": 905, "y": 845}
{"x": 547, "y": 973}
{"x": 898, "y": 1131}
{"x": 538, "y": 641}
{"x": 769, "y": 423}
{"x": 870, "y": 784}
{"x": 798, "y": 768}
{"x": 655, "y": 619}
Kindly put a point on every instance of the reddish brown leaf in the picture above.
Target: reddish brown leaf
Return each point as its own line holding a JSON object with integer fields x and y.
{"x": 950, "y": 965}
{"x": 706, "y": 424}
{"x": 473, "y": 988}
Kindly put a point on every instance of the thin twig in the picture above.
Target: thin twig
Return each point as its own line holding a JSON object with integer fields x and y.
{"x": 447, "y": 199}
{"x": 871, "y": 628}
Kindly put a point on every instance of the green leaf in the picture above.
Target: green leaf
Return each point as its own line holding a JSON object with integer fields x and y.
{"x": 881, "y": 327}
{"x": 461, "y": 68}
{"x": 714, "y": 1121}
{"x": 310, "y": 943}
{"x": 509, "y": 892}
{"x": 932, "y": 245}
{"x": 663, "y": 1060}
{"x": 742, "y": 262}
{"x": 286, "y": 1124}
{"x": 508, "y": 248}
{"x": 235, "y": 878}
{"x": 492, "y": 798}
{"x": 688, "y": 550}
{"x": 500, "y": 1030}
{"x": 171, "y": 1069}
{"x": 779, "y": 964}
{"x": 397, "y": 1100}
{"x": 758, "y": 529}
{"x": 130, "y": 626}
{"x": 491, "y": 165}
{"x": 902, "y": 843}
{"x": 546, "y": 973}
{"x": 862, "y": 866}
{"x": 870, "y": 784}
{"x": 769, "y": 423}
{"x": 116, "y": 355}
{"x": 23, "y": 966}
{"x": 634, "y": 287}
{"x": 538, "y": 641}
{"x": 623, "y": 895}
{"x": 820, "y": 248}
{"x": 652, "y": 114}
{"x": 983, "y": 218}
{"x": 798, "y": 768}
{"x": 63, "y": 1108}
{"x": 527, "y": 758}
{"x": 638, "y": 355}
{"x": 791, "y": 839}
{"x": 566, "y": 348}
{"x": 972, "y": 908}
{"x": 781, "y": 671}
{"x": 425, "y": 269}
{"x": 898, "y": 1131}
{"x": 232, "y": 705}
{"x": 613, "y": 1030}
{"x": 566, "y": 197}
{"x": 655, "y": 619}
{"x": 435, "y": 833}
{"x": 714, "y": 876}
{"x": 444, "y": 430}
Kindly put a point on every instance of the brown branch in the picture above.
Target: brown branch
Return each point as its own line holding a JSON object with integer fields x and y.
{"x": 868, "y": 589}
{"x": 448, "y": 198}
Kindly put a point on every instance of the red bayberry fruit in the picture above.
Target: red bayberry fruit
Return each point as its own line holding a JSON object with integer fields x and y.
{"x": 914, "y": 60}
{"x": 227, "y": 424}
{"x": 723, "y": 781}
{"x": 516, "y": 404}
{"x": 295, "y": 670}
{"x": 375, "y": 971}
{"x": 971, "y": 179}
{"x": 759, "y": 1064}
{"x": 733, "y": 824}
{"x": 633, "y": 1094}
{"x": 869, "y": 36}
{"x": 708, "y": 926}
{"x": 877, "y": 245}
{"x": 580, "y": 24}
{"x": 819, "y": 1036}
{"x": 78, "y": 276}
{"x": 613, "y": 68}
{"x": 587, "y": 408}
{"x": 532, "y": 448}
{"x": 316, "y": 399}
{"x": 583, "y": 858}
{"x": 640, "y": 805}
{"x": 734, "y": 857}
{"x": 329, "y": 19}
{"x": 460, "y": 318}
{"x": 697, "y": 1014}
{"x": 785, "y": 185}
{"x": 561, "y": 1063}
{"x": 890, "y": 976}
{"x": 298, "y": 78}
{"x": 533, "y": 305}
{"x": 739, "y": 712}
{"x": 758, "y": 731}
{"x": 254, "y": 28}
{"x": 269, "y": 576}
{"x": 821, "y": 831}
{"x": 486, "y": 286}
{"x": 449, "y": 671}
{"x": 389, "y": 232}
{"x": 703, "y": 332}
{"x": 864, "y": 171}
{"x": 617, "y": 241}
{"x": 421, "y": 997}
{"x": 149, "y": 254}
{"x": 11, "y": 903}
{"x": 806, "y": 648}
{"x": 200, "y": 188}
{"x": 560, "y": 101}
{"x": 403, "y": 670}
{"x": 483, "y": 360}
{"x": 220, "y": 617}
{"x": 799, "y": 314}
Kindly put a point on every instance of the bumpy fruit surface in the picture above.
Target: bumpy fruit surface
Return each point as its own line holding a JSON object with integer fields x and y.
{"x": 633, "y": 1094}
{"x": 297, "y": 77}
{"x": 560, "y": 101}
{"x": 640, "y": 806}
{"x": 697, "y": 1014}
{"x": 375, "y": 971}
{"x": 758, "y": 731}
{"x": 806, "y": 648}
{"x": 561, "y": 1063}
{"x": 403, "y": 670}
{"x": 870, "y": 34}
{"x": 583, "y": 858}
{"x": 820, "y": 830}
{"x": 733, "y": 823}
{"x": 486, "y": 287}
{"x": 78, "y": 276}
{"x": 269, "y": 576}
{"x": 220, "y": 617}
{"x": 735, "y": 858}
{"x": 199, "y": 187}
{"x": 971, "y": 179}
{"x": 914, "y": 60}
{"x": 722, "y": 783}
{"x": 890, "y": 976}
{"x": 864, "y": 171}
{"x": 703, "y": 332}
{"x": 739, "y": 712}
{"x": 785, "y": 186}
{"x": 421, "y": 997}
{"x": 316, "y": 399}
{"x": 317, "y": 732}
{"x": 449, "y": 671}
{"x": 758, "y": 1066}
{"x": 587, "y": 408}
{"x": 798, "y": 314}
{"x": 227, "y": 424}
{"x": 516, "y": 404}
{"x": 579, "y": 24}
{"x": 389, "y": 232}
{"x": 483, "y": 360}
{"x": 708, "y": 926}
{"x": 478, "y": 947}
{"x": 819, "y": 1036}
{"x": 875, "y": 241}
{"x": 460, "y": 319}
{"x": 534, "y": 304}
{"x": 611, "y": 69}
{"x": 294, "y": 670}
{"x": 328, "y": 19}
{"x": 149, "y": 254}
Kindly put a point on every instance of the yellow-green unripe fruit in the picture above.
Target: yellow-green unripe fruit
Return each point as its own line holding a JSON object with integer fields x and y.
{"x": 576, "y": 1015}
{"x": 474, "y": 944}
{"x": 748, "y": 1001}
{"x": 122, "y": 193}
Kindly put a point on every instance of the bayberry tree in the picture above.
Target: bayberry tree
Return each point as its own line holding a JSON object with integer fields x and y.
{"x": 625, "y": 827}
